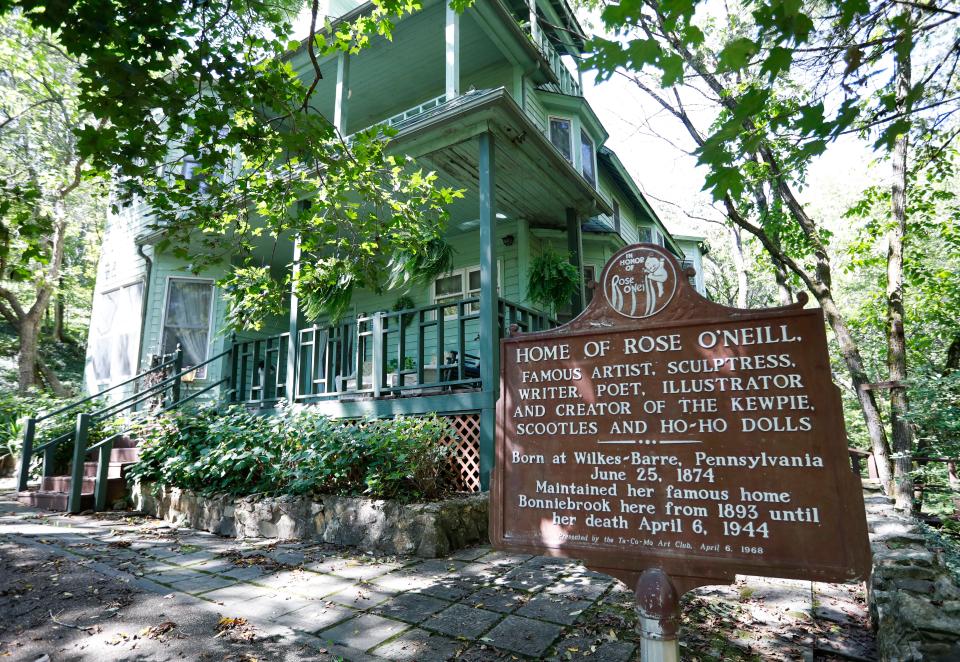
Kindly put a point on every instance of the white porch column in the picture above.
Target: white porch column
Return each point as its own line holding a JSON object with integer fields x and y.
{"x": 452, "y": 47}
{"x": 534, "y": 23}
{"x": 293, "y": 342}
{"x": 342, "y": 98}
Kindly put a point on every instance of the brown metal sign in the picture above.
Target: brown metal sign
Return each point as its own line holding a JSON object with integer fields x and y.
{"x": 661, "y": 430}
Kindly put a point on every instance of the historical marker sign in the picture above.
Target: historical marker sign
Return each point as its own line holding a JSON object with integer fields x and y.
{"x": 661, "y": 430}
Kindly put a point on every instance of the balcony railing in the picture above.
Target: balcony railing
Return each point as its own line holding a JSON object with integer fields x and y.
{"x": 405, "y": 353}
{"x": 568, "y": 84}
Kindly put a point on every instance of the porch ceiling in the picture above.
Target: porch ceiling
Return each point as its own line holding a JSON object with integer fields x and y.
{"x": 532, "y": 180}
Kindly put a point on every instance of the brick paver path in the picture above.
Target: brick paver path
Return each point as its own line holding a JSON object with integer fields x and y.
{"x": 478, "y": 604}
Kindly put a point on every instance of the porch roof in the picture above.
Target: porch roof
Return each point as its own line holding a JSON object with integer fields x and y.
{"x": 533, "y": 181}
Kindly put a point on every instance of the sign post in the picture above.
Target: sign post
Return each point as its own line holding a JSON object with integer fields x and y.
{"x": 672, "y": 442}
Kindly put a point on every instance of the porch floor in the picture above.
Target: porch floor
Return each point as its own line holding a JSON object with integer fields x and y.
{"x": 112, "y": 577}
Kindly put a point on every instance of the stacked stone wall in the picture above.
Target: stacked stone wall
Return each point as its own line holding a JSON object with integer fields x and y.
{"x": 428, "y": 530}
{"x": 914, "y": 597}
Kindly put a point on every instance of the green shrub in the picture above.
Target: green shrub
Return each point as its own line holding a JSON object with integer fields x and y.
{"x": 235, "y": 451}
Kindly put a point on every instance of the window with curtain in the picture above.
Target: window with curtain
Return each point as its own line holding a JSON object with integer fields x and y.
{"x": 586, "y": 158}
{"x": 560, "y": 136}
{"x": 589, "y": 278}
{"x": 461, "y": 284}
{"x": 186, "y": 320}
{"x": 115, "y": 334}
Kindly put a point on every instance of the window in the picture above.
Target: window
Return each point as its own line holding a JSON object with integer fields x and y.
{"x": 616, "y": 216}
{"x": 645, "y": 235}
{"x": 587, "y": 166}
{"x": 460, "y": 284}
{"x": 186, "y": 320}
{"x": 115, "y": 334}
{"x": 589, "y": 278}
{"x": 561, "y": 136}
{"x": 191, "y": 175}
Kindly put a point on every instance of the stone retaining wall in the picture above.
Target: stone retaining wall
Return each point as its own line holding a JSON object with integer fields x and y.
{"x": 428, "y": 530}
{"x": 914, "y": 598}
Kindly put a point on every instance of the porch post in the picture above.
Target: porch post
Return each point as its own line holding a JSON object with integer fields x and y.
{"x": 293, "y": 342}
{"x": 575, "y": 247}
{"x": 523, "y": 256}
{"x": 452, "y": 52}
{"x": 341, "y": 100}
{"x": 534, "y": 24}
{"x": 489, "y": 326}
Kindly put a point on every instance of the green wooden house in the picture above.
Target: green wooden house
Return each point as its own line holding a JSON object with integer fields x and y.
{"x": 491, "y": 100}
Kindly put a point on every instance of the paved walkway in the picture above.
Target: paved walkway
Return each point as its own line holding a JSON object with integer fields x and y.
{"x": 327, "y": 603}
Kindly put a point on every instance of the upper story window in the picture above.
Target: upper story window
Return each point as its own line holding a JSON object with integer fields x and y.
{"x": 561, "y": 135}
{"x": 587, "y": 165}
{"x": 616, "y": 216}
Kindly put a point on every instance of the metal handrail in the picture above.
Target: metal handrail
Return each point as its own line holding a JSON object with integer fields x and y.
{"x": 104, "y": 448}
{"x": 74, "y": 405}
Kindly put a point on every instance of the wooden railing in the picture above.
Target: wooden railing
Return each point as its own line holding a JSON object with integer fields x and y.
{"x": 568, "y": 84}
{"x": 411, "y": 352}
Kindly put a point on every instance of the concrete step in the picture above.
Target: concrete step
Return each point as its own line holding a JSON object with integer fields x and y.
{"x": 125, "y": 442}
{"x": 115, "y": 469}
{"x": 52, "y": 500}
{"x": 62, "y": 484}
{"x": 124, "y": 455}
{"x": 54, "y": 485}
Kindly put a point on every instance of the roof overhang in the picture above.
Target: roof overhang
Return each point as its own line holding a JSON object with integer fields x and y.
{"x": 525, "y": 149}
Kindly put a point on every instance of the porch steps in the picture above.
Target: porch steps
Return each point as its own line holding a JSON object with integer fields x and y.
{"x": 54, "y": 491}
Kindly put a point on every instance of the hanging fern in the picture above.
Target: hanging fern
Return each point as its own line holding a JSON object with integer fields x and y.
{"x": 553, "y": 279}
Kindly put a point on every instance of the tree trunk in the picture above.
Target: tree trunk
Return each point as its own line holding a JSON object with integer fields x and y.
{"x": 58, "y": 312}
{"x": 27, "y": 368}
{"x": 783, "y": 284}
{"x": 858, "y": 377}
{"x": 739, "y": 263}
{"x": 901, "y": 435}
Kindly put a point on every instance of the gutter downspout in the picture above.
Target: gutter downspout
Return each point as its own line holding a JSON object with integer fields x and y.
{"x": 144, "y": 300}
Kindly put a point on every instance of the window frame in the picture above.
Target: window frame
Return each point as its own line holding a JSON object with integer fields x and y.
{"x": 584, "y": 136}
{"x": 588, "y": 292}
{"x": 200, "y": 373}
{"x": 464, "y": 273}
{"x": 569, "y": 121}
{"x": 135, "y": 366}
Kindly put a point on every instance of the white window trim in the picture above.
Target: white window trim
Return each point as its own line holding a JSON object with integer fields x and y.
{"x": 596, "y": 274}
{"x": 163, "y": 317}
{"x": 593, "y": 156}
{"x": 573, "y": 124}
{"x": 143, "y": 302}
{"x": 463, "y": 272}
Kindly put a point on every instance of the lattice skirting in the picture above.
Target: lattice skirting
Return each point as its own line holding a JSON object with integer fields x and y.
{"x": 465, "y": 442}
{"x": 465, "y": 459}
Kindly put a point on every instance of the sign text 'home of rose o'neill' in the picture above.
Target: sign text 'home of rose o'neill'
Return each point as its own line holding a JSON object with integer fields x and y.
{"x": 661, "y": 430}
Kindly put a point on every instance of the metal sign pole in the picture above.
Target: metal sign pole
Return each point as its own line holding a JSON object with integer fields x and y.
{"x": 658, "y": 609}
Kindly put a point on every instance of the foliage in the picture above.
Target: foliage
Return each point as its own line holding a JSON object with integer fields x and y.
{"x": 51, "y": 204}
{"x": 553, "y": 280}
{"x": 200, "y": 111}
{"x": 295, "y": 452}
{"x": 806, "y": 72}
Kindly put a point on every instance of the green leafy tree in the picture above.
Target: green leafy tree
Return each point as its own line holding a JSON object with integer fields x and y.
{"x": 781, "y": 82}
{"x": 46, "y": 193}
{"x": 200, "y": 113}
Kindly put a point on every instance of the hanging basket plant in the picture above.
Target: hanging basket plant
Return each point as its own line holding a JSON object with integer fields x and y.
{"x": 553, "y": 279}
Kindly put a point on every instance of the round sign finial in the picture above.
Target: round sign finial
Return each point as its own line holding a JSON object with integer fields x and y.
{"x": 640, "y": 282}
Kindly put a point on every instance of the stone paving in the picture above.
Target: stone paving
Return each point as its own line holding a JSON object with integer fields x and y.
{"x": 478, "y": 604}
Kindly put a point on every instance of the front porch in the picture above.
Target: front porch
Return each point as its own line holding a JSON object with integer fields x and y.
{"x": 364, "y": 364}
